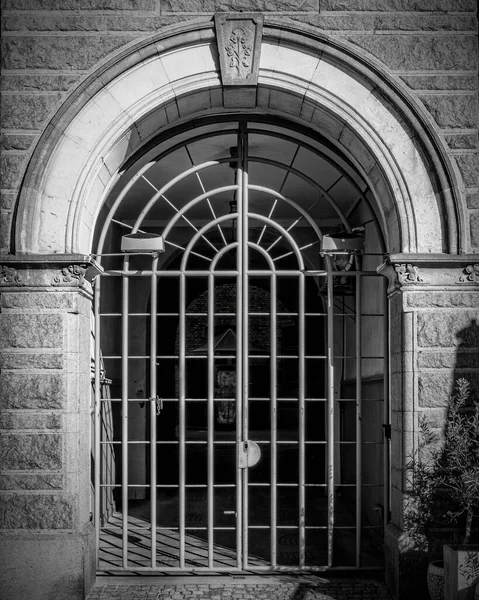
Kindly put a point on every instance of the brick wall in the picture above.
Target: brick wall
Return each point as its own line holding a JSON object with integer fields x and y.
{"x": 48, "y": 46}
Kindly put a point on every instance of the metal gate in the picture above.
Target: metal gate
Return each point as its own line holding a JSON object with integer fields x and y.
{"x": 253, "y": 440}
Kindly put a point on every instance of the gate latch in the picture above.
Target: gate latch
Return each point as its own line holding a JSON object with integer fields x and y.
{"x": 159, "y": 404}
{"x": 249, "y": 454}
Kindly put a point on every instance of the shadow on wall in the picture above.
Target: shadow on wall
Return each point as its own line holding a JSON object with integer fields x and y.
{"x": 467, "y": 358}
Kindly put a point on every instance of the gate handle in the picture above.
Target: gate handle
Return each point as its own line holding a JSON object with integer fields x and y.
{"x": 249, "y": 454}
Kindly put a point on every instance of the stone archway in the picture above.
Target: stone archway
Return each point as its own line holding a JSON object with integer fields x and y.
{"x": 171, "y": 78}
{"x": 174, "y": 77}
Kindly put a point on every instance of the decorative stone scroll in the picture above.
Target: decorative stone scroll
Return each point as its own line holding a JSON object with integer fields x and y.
{"x": 408, "y": 273}
{"x": 10, "y": 275}
{"x": 239, "y": 45}
{"x": 71, "y": 274}
{"x": 471, "y": 274}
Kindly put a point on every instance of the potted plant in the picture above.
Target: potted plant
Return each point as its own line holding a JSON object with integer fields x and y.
{"x": 444, "y": 490}
{"x": 458, "y": 466}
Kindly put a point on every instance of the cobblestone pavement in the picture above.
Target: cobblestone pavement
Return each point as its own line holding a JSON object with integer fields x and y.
{"x": 288, "y": 588}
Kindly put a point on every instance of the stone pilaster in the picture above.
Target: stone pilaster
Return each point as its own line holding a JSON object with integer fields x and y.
{"x": 434, "y": 333}
{"x": 48, "y": 548}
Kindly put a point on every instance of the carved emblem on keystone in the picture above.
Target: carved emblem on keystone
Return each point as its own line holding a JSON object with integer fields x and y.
{"x": 239, "y": 45}
{"x": 70, "y": 275}
{"x": 239, "y": 50}
{"x": 471, "y": 273}
{"x": 10, "y": 275}
{"x": 408, "y": 273}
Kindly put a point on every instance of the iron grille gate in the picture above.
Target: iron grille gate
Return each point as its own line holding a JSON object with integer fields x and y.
{"x": 258, "y": 442}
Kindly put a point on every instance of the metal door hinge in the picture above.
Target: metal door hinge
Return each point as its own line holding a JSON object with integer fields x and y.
{"x": 387, "y": 430}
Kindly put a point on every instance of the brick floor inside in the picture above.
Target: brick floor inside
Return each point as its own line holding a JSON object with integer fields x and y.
{"x": 218, "y": 588}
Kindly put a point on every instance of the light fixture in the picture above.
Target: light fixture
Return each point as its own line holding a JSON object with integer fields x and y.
{"x": 342, "y": 247}
{"x": 142, "y": 243}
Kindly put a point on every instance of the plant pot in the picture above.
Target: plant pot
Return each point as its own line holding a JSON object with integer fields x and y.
{"x": 435, "y": 580}
{"x": 461, "y": 571}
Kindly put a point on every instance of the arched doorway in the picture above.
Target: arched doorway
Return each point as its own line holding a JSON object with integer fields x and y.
{"x": 248, "y": 435}
{"x": 366, "y": 115}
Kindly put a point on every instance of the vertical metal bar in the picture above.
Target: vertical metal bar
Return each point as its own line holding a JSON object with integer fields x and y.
{"x": 245, "y": 336}
{"x": 386, "y": 416}
{"x": 97, "y": 413}
{"x": 182, "y": 419}
{"x": 153, "y": 407}
{"x": 301, "y": 407}
{"x": 124, "y": 413}
{"x": 274, "y": 421}
{"x": 239, "y": 361}
{"x": 359, "y": 440}
{"x": 210, "y": 427}
{"x": 330, "y": 404}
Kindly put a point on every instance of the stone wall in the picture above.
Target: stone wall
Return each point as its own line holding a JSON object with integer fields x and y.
{"x": 434, "y": 332}
{"x": 48, "y": 47}
{"x": 45, "y": 522}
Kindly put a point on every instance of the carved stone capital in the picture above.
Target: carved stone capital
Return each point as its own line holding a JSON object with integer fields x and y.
{"x": 43, "y": 271}
{"x": 430, "y": 272}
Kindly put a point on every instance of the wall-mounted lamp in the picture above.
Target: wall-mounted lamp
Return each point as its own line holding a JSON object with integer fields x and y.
{"x": 142, "y": 243}
{"x": 342, "y": 247}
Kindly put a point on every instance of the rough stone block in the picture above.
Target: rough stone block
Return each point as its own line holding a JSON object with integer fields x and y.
{"x": 7, "y": 201}
{"x": 461, "y": 141}
{"x": 31, "y": 452}
{"x": 435, "y": 389}
{"x": 28, "y": 112}
{"x": 61, "y": 565}
{"x": 11, "y": 169}
{"x": 448, "y": 329}
{"x": 40, "y": 83}
{"x": 20, "y": 22}
{"x": 448, "y": 360}
{"x": 19, "y": 142}
{"x": 200, "y": 6}
{"x": 440, "y": 82}
{"x": 19, "y": 420}
{"x": 474, "y": 229}
{"x": 412, "y": 52}
{"x": 21, "y": 360}
{"x": 424, "y": 23}
{"x": 35, "y": 301}
{"x": 40, "y": 390}
{"x": 456, "y": 299}
{"x": 400, "y": 5}
{"x": 6, "y": 223}
{"x": 35, "y": 512}
{"x": 452, "y": 112}
{"x": 58, "y": 52}
{"x": 31, "y": 481}
{"x": 469, "y": 167}
{"x": 30, "y": 331}
{"x": 472, "y": 200}
{"x": 85, "y": 5}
